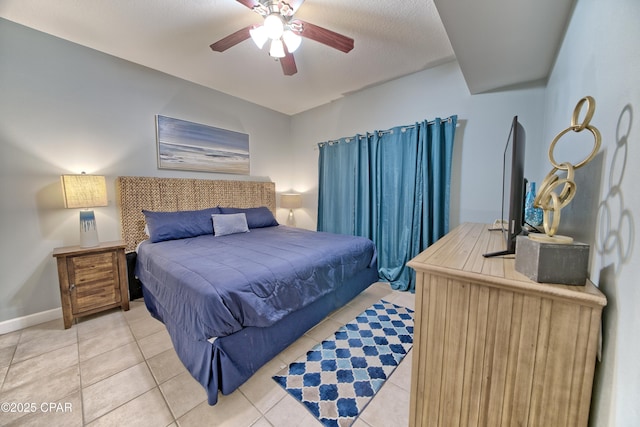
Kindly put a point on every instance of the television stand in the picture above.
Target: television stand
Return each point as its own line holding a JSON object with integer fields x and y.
{"x": 499, "y": 253}
{"x": 507, "y": 251}
{"x": 498, "y": 225}
{"x": 494, "y": 348}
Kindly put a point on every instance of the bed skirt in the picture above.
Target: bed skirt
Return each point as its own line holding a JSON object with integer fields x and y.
{"x": 229, "y": 361}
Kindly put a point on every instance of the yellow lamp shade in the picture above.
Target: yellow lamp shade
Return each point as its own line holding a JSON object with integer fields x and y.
{"x": 291, "y": 201}
{"x": 84, "y": 191}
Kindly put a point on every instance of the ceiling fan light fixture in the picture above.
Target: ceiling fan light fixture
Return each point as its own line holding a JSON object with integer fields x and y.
{"x": 283, "y": 32}
{"x": 259, "y": 36}
{"x": 277, "y": 49}
{"x": 292, "y": 40}
{"x": 274, "y": 26}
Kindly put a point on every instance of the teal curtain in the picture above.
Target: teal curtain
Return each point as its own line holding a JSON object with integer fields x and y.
{"x": 391, "y": 186}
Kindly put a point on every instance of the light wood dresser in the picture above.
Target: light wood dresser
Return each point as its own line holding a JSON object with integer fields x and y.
{"x": 92, "y": 279}
{"x": 493, "y": 348}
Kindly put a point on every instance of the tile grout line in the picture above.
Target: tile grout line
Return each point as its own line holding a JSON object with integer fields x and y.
{"x": 135, "y": 339}
{"x": 155, "y": 380}
{"x": 80, "y": 394}
{"x": 8, "y": 368}
{"x": 146, "y": 362}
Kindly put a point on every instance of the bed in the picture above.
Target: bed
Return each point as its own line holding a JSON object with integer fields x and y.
{"x": 233, "y": 300}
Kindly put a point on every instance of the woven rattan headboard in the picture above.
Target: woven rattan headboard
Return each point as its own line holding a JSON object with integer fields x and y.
{"x": 135, "y": 193}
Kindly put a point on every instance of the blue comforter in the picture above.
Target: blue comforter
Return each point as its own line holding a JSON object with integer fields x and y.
{"x": 214, "y": 286}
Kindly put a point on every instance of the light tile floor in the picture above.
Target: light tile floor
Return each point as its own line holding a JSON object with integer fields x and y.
{"x": 119, "y": 368}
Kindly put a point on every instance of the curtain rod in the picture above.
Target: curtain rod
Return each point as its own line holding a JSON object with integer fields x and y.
{"x": 379, "y": 132}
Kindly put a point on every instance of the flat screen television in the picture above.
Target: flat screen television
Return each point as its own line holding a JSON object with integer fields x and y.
{"x": 513, "y": 189}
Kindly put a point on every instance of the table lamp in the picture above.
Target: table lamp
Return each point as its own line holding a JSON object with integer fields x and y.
{"x": 84, "y": 192}
{"x": 291, "y": 201}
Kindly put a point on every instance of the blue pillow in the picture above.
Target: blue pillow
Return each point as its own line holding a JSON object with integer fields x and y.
{"x": 225, "y": 224}
{"x": 256, "y": 217}
{"x": 179, "y": 225}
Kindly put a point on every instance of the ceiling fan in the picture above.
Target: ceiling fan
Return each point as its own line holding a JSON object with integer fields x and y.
{"x": 283, "y": 31}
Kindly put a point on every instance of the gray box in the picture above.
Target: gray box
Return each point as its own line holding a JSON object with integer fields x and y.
{"x": 566, "y": 264}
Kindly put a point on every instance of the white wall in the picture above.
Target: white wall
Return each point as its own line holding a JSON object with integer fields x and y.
{"x": 483, "y": 126}
{"x": 67, "y": 109}
{"x": 600, "y": 57}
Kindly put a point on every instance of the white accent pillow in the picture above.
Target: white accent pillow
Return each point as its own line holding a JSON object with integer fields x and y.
{"x": 225, "y": 224}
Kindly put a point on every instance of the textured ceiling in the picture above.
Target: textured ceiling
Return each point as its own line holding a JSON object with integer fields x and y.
{"x": 392, "y": 39}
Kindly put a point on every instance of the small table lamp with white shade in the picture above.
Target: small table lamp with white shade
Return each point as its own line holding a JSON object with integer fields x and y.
{"x": 84, "y": 192}
{"x": 291, "y": 201}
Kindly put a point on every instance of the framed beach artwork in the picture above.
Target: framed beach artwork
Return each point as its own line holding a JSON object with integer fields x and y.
{"x": 189, "y": 146}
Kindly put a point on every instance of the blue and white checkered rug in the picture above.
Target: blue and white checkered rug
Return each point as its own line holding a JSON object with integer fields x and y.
{"x": 339, "y": 377}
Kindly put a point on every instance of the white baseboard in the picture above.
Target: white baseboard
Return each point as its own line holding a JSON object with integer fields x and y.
{"x": 30, "y": 320}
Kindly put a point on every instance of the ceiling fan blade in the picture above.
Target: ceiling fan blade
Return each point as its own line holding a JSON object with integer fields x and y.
{"x": 232, "y": 39}
{"x": 328, "y": 37}
{"x": 288, "y": 64}
{"x": 294, "y": 4}
{"x": 249, "y": 3}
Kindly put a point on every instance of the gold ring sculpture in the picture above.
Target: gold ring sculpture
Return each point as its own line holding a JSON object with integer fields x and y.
{"x": 548, "y": 199}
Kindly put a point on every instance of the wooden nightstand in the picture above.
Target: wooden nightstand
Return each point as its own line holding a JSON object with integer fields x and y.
{"x": 92, "y": 279}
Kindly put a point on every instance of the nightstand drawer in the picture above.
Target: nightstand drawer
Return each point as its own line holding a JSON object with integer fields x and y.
{"x": 93, "y": 281}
